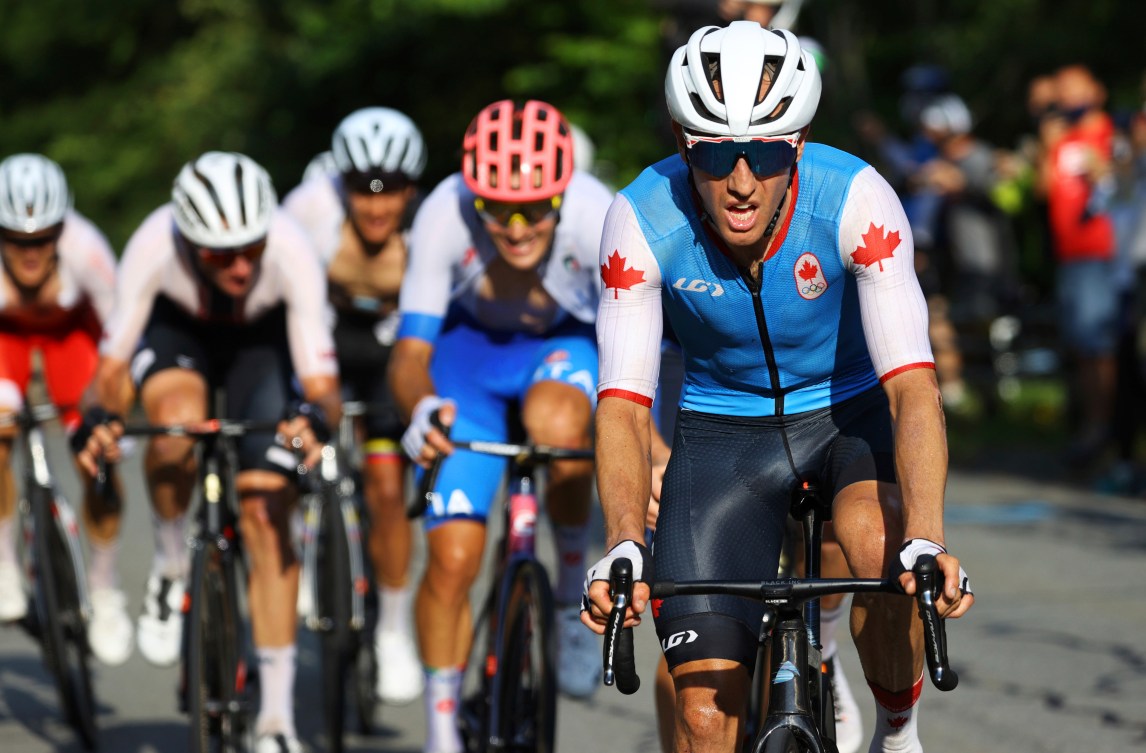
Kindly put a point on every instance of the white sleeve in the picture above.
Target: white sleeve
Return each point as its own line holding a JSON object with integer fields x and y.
{"x": 629, "y": 318}
{"x": 438, "y": 236}
{"x": 92, "y": 262}
{"x": 304, "y": 290}
{"x": 877, "y": 247}
{"x": 148, "y": 253}
{"x": 315, "y": 206}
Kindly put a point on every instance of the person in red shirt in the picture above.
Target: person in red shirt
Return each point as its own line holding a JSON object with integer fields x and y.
{"x": 1079, "y": 183}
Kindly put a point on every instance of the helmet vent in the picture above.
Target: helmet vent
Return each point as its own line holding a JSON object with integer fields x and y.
{"x": 242, "y": 194}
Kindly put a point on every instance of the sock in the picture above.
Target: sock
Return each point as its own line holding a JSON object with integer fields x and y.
{"x": 896, "y": 722}
{"x": 7, "y": 543}
{"x": 170, "y": 547}
{"x": 276, "y": 690}
{"x": 394, "y": 610}
{"x": 442, "y": 697}
{"x": 571, "y": 543}
{"x": 829, "y": 625}
{"x": 102, "y": 571}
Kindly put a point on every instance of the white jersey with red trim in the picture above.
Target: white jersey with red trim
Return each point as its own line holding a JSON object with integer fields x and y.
{"x": 450, "y": 252}
{"x": 837, "y": 308}
{"x": 316, "y": 205}
{"x": 85, "y": 268}
{"x": 289, "y": 274}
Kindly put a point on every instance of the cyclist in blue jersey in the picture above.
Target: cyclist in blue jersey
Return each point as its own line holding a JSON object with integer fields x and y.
{"x": 498, "y": 306}
{"x": 785, "y": 269}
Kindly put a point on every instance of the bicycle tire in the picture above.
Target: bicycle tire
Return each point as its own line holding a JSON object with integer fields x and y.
{"x": 215, "y": 673}
{"x": 527, "y": 707}
{"x": 338, "y": 637}
{"x": 63, "y": 628}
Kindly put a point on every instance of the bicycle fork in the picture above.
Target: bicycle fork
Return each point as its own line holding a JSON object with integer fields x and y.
{"x": 796, "y": 699}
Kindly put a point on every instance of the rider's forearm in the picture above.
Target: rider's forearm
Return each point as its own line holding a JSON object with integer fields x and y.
{"x": 920, "y": 451}
{"x": 324, "y": 392}
{"x": 623, "y": 468}
{"x": 409, "y": 374}
{"x": 112, "y": 388}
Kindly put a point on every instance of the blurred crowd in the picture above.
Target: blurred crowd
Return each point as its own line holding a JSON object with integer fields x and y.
{"x": 1038, "y": 247}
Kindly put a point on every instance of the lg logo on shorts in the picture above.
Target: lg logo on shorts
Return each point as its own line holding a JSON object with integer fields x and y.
{"x": 674, "y": 640}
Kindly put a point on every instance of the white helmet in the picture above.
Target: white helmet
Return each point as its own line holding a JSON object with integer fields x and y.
{"x": 948, "y": 114}
{"x": 33, "y": 193}
{"x": 732, "y": 60}
{"x": 222, "y": 200}
{"x": 379, "y": 139}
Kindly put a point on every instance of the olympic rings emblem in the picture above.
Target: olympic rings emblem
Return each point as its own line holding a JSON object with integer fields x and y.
{"x": 813, "y": 288}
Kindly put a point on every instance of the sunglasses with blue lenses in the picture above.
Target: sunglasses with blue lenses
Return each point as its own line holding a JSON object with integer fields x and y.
{"x": 765, "y": 155}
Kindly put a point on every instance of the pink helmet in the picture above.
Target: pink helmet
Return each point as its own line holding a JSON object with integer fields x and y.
{"x": 518, "y": 152}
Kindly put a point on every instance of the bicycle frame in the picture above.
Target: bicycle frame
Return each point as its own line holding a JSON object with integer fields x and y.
{"x": 790, "y": 625}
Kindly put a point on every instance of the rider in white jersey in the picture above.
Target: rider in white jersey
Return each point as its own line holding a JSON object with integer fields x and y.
{"x": 57, "y": 288}
{"x": 220, "y": 291}
{"x": 785, "y": 270}
{"x": 355, "y": 214}
{"x": 498, "y": 306}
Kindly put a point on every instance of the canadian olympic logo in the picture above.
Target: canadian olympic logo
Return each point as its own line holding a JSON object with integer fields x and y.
{"x": 809, "y": 275}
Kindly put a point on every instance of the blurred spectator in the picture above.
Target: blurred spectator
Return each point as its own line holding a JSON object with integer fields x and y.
{"x": 1128, "y": 213}
{"x": 1079, "y": 182}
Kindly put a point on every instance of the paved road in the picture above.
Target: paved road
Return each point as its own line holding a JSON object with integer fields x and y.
{"x": 1052, "y": 658}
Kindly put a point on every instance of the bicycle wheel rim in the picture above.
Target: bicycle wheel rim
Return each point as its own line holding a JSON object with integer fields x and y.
{"x": 73, "y": 660}
{"x": 526, "y": 667}
{"x": 202, "y": 682}
{"x": 338, "y": 638}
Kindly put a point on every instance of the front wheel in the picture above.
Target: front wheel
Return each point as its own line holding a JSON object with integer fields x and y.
{"x": 526, "y": 696}
{"x": 338, "y": 637}
{"x": 63, "y": 627}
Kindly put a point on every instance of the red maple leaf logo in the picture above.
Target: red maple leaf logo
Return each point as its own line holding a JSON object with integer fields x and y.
{"x": 616, "y": 276}
{"x": 879, "y": 246}
{"x": 657, "y": 607}
{"x": 808, "y": 271}
{"x": 896, "y": 722}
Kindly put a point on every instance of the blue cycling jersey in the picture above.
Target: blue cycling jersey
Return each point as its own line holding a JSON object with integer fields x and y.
{"x": 801, "y": 338}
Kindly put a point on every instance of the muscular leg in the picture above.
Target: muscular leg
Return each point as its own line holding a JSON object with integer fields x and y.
{"x": 710, "y": 704}
{"x": 445, "y": 625}
{"x": 442, "y": 610}
{"x": 265, "y": 498}
{"x": 7, "y": 479}
{"x": 391, "y": 538}
{"x": 172, "y": 396}
{"x": 887, "y": 632}
{"x": 559, "y": 414}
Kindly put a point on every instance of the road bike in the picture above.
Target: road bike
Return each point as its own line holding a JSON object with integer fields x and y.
{"x": 216, "y": 685}
{"x": 342, "y": 604}
{"x": 800, "y": 715}
{"x": 510, "y": 698}
{"x": 54, "y": 562}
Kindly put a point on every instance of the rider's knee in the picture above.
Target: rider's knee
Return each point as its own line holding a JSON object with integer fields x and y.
{"x": 560, "y": 416}
{"x": 700, "y": 718}
{"x": 452, "y": 567}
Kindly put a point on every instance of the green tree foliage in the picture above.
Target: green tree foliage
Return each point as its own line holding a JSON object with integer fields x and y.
{"x": 122, "y": 92}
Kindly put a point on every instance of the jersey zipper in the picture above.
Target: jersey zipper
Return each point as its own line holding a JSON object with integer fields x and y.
{"x": 754, "y": 287}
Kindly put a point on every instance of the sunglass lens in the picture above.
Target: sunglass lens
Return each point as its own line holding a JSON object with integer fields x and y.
{"x": 764, "y": 158}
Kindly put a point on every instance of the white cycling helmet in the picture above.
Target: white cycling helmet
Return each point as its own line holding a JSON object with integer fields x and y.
{"x": 223, "y": 200}
{"x": 379, "y": 140}
{"x": 947, "y": 114}
{"x": 714, "y": 82}
{"x": 33, "y": 193}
